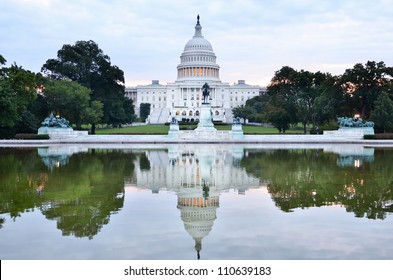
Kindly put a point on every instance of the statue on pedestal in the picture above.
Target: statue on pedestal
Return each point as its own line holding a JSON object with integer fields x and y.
{"x": 205, "y": 93}
{"x": 53, "y": 121}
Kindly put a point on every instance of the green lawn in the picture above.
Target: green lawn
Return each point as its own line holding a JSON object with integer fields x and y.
{"x": 163, "y": 129}
{"x": 142, "y": 129}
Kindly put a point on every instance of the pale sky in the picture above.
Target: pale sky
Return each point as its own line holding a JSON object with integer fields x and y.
{"x": 251, "y": 39}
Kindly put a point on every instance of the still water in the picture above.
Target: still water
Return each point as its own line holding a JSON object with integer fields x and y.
{"x": 196, "y": 201}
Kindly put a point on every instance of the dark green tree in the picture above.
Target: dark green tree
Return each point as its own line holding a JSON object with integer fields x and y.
{"x": 362, "y": 85}
{"x": 17, "y": 91}
{"x": 144, "y": 110}
{"x": 93, "y": 113}
{"x": 27, "y": 123}
{"x": 2, "y": 60}
{"x": 67, "y": 99}
{"x": 129, "y": 110}
{"x": 281, "y": 108}
{"x": 329, "y": 103}
{"x": 86, "y": 64}
{"x": 383, "y": 112}
{"x": 308, "y": 88}
{"x": 278, "y": 113}
{"x": 8, "y": 109}
{"x": 244, "y": 112}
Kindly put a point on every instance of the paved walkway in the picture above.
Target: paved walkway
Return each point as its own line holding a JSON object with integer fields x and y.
{"x": 163, "y": 139}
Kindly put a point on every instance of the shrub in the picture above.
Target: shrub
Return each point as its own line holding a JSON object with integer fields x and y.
{"x": 27, "y": 136}
{"x": 379, "y": 136}
{"x": 324, "y": 127}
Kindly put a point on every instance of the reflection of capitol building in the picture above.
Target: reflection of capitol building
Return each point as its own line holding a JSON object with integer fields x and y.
{"x": 182, "y": 167}
{"x": 198, "y": 176}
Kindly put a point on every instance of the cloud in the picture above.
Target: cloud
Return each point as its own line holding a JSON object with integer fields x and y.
{"x": 252, "y": 39}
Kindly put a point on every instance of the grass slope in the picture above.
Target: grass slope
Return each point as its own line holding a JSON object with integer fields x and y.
{"x": 163, "y": 129}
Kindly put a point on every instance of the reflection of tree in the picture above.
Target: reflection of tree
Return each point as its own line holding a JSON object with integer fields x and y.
{"x": 2, "y": 221}
{"x": 307, "y": 178}
{"x": 87, "y": 191}
{"x": 144, "y": 163}
{"x": 80, "y": 196}
{"x": 20, "y": 178}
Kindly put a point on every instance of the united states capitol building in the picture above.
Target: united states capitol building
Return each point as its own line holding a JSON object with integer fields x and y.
{"x": 182, "y": 99}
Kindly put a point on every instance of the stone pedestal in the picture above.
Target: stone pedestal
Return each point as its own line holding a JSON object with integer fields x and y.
{"x": 237, "y": 131}
{"x": 60, "y": 132}
{"x": 350, "y": 132}
{"x": 364, "y": 130}
{"x": 205, "y": 120}
{"x": 173, "y": 130}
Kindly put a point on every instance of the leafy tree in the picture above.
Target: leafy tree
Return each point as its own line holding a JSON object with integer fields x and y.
{"x": 144, "y": 110}
{"x": 86, "y": 64}
{"x": 27, "y": 123}
{"x": 308, "y": 88}
{"x": 257, "y": 104}
{"x": 329, "y": 102}
{"x": 362, "y": 85}
{"x": 383, "y": 112}
{"x": 93, "y": 113}
{"x": 67, "y": 99}
{"x": 2, "y": 60}
{"x": 129, "y": 110}
{"x": 278, "y": 113}
{"x": 22, "y": 83}
{"x": 244, "y": 112}
{"x": 281, "y": 108}
{"x": 39, "y": 107}
{"x": 17, "y": 91}
{"x": 8, "y": 108}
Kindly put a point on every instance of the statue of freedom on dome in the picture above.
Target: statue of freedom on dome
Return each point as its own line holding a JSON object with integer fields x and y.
{"x": 205, "y": 93}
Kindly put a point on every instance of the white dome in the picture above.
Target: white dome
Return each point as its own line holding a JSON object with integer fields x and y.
{"x": 198, "y": 43}
{"x": 198, "y": 60}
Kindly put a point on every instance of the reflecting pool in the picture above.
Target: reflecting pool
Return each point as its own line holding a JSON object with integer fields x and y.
{"x": 196, "y": 202}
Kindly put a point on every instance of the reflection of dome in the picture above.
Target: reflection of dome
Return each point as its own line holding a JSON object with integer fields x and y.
{"x": 198, "y": 215}
{"x": 198, "y": 59}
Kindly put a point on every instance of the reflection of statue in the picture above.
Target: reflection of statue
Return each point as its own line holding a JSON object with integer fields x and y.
{"x": 52, "y": 121}
{"x": 205, "y": 93}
